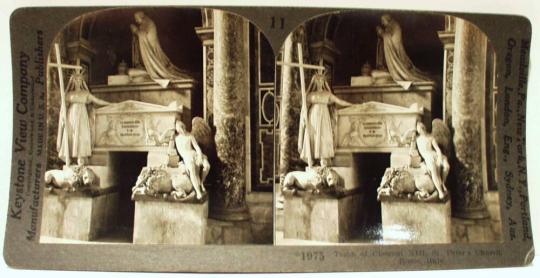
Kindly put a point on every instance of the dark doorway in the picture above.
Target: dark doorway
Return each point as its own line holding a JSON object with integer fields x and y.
{"x": 371, "y": 167}
{"x": 126, "y": 167}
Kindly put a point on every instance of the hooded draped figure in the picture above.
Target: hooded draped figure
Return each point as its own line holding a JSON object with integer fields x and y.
{"x": 147, "y": 48}
{"x": 391, "y": 53}
{"x": 78, "y": 123}
{"x": 317, "y": 130}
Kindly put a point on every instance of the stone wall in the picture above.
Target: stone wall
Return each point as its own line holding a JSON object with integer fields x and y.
{"x": 259, "y": 230}
{"x": 483, "y": 230}
{"x": 262, "y": 217}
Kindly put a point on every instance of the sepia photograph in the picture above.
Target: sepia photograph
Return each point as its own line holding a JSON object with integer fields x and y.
{"x": 157, "y": 126}
{"x": 386, "y": 131}
{"x": 268, "y": 139}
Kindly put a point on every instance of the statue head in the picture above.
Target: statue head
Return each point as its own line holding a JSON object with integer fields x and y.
{"x": 420, "y": 128}
{"x": 319, "y": 79}
{"x": 180, "y": 127}
{"x": 139, "y": 16}
{"x": 332, "y": 178}
{"x": 78, "y": 80}
{"x": 89, "y": 178}
{"x": 386, "y": 19}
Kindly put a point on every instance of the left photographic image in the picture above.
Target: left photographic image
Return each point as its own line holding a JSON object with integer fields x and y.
{"x": 157, "y": 129}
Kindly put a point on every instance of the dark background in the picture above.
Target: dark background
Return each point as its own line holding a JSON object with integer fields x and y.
{"x": 111, "y": 37}
{"x": 355, "y": 37}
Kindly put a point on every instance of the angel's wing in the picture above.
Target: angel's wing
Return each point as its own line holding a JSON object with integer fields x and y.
{"x": 202, "y": 133}
{"x": 441, "y": 133}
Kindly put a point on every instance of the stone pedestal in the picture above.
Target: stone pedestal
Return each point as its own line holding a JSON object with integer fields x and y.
{"x": 409, "y": 222}
{"x": 229, "y": 232}
{"x": 261, "y": 213}
{"x": 164, "y": 222}
{"x": 321, "y": 218}
{"x": 121, "y": 79}
{"x": 79, "y": 217}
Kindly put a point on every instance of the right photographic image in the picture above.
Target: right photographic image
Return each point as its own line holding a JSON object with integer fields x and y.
{"x": 386, "y": 131}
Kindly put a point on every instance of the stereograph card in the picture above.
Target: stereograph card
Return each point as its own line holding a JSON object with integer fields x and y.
{"x": 267, "y": 139}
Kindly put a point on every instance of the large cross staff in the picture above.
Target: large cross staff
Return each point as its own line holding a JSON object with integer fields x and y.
{"x": 63, "y": 104}
{"x": 304, "y": 116}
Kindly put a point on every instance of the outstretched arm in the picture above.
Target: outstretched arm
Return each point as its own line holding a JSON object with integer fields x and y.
{"x": 97, "y": 100}
{"x": 339, "y": 101}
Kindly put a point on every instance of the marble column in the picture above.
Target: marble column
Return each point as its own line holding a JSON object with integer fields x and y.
{"x": 206, "y": 35}
{"x": 291, "y": 98}
{"x": 231, "y": 91}
{"x": 286, "y": 132}
{"x": 468, "y": 91}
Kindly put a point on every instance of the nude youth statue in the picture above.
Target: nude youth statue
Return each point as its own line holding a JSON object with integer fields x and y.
{"x": 197, "y": 165}
{"x": 436, "y": 162}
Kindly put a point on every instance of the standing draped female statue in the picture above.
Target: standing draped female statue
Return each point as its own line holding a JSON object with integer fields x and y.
{"x": 316, "y": 135}
{"x": 78, "y": 122}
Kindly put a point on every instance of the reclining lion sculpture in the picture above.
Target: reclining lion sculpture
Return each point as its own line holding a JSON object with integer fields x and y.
{"x": 71, "y": 178}
{"x": 311, "y": 180}
{"x": 158, "y": 181}
{"x": 403, "y": 183}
